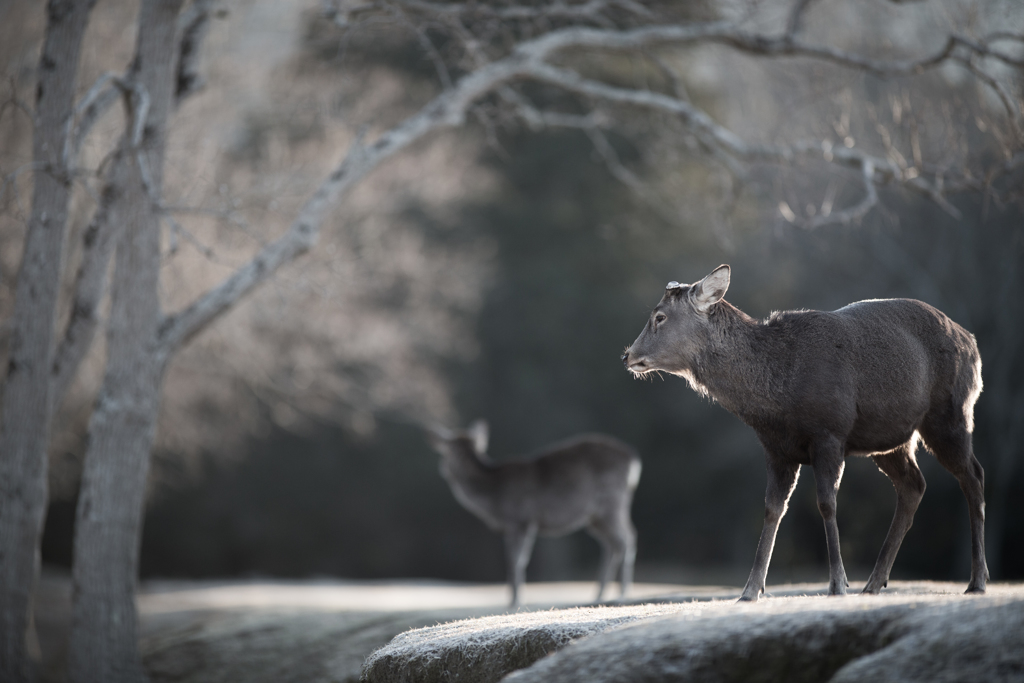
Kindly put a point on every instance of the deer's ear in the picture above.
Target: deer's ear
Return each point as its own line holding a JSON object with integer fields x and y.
{"x": 712, "y": 288}
{"x": 479, "y": 432}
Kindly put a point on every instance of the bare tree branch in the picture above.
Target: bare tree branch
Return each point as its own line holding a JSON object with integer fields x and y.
{"x": 103, "y": 93}
{"x": 614, "y": 165}
{"x": 90, "y": 283}
{"x": 527, "y": 61}
{"x": 716, "y": 136}
{"x": 178, "y": 230}
{"x": 587, "y": 11}
{"x": 1012, "y": 115}
{"x": 193, "y": 26}
{"x": 180, "y": 327}
{"x": 593, "y": 124}
{"x": 101, "y": 235}
{"x": 883, "y": 171}
{"x": 428, "y": 47}
{"x": 853, "y": 213}
{"x": 678, "y": 87}
{"x": 445, "y": 111}
{"x": 783, "y": 45}
{"x": 537, "y": 119}
{"x": 94, "y": 103}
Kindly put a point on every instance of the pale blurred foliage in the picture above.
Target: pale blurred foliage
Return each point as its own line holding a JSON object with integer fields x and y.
{"x": 362, "y": 325}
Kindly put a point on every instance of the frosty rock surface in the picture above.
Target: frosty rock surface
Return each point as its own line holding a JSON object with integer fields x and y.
{"x": 926, "y": 632}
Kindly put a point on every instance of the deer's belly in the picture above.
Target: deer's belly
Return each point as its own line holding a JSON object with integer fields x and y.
{"x": 873, "y": 444}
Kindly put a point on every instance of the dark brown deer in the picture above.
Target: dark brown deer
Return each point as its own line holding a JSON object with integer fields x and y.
{"x": 868, "y": 379}
{"x": 585, "y": 482}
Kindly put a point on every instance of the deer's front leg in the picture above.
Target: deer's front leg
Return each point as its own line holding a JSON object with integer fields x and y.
{"x": 828, "y": 463}
{"x": 782, "y": 478}
{"x": 519, "y": 540}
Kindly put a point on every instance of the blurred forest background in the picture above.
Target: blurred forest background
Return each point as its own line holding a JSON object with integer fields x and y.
{"x": 496, "y": 271}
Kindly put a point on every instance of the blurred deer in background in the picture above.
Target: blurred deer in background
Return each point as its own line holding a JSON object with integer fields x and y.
{"x": 868, "y": 379}
{"x": 583, "y": 482}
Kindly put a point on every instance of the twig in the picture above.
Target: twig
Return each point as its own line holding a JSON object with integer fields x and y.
{"x": 12, "y": 180}
{"x": 558, "y": 9}
{"x": 612, "y": 162}
{"x": 428, "y": 47}
{"x": 103, "y": 93}
{"x": 194, "y": 24}
{"x": 853, "y": 213}
{"x": 678, "y": 88}
{"x": 16, "y": 102}
{"x": 1004, "y": 96}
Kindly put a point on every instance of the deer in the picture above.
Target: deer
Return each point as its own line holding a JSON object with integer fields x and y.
{"x": 870, "y": 379}
{"x": 584, "y": 482}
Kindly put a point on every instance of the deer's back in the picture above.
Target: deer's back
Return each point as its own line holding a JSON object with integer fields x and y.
{"x": 564, "y": 486}
{"x": 908, "y": 342}
{"x": 872, "y": 370}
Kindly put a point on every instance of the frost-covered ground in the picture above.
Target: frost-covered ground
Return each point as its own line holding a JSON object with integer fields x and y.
{"x": 914, "y": 632}
{"x": 234, "y": 630}
{"x": 323, "y": 630}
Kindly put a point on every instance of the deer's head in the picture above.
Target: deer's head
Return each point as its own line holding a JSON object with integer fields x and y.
{"x": 678, "y": 329}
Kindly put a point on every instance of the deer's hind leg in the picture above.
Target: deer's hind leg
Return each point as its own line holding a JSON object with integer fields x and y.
{"x": 629, "y": 557}
{"x": 618, "y": 549}
{"x": 947, "y": 436}
{"x": 901, "y": 467}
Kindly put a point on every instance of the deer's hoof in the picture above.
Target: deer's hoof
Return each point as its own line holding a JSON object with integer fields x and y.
{"x": 874, "y": 587}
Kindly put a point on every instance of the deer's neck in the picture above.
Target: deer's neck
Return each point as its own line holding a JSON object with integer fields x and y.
{"x": 738, "y": 365}
{"x": 474, "y": 483}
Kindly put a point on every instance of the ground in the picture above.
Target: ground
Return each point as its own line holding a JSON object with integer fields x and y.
{"x": 324, "y": 630}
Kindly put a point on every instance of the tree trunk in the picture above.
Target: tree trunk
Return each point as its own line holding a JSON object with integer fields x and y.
{"x": 107, "y": 525}
{"x": 26, "y": 407}
{"x": 104, "y": 635}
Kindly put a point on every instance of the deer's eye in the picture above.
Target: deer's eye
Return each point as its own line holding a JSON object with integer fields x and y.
{"x": 659, "y": 318}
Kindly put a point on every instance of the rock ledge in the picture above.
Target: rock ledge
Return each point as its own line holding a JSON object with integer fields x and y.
{"x": 913, "y": 632}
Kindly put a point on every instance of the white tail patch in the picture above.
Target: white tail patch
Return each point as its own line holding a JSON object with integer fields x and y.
{"x": 633, "y": 478}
